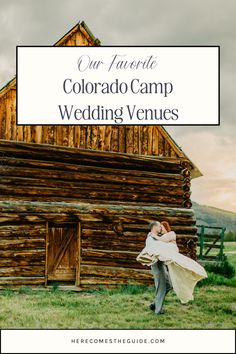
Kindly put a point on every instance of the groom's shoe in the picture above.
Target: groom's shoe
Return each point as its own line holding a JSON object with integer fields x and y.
{"x": 152, "y": 306}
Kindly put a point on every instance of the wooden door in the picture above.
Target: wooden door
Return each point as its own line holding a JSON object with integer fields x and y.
{"x": 63, "y": 252}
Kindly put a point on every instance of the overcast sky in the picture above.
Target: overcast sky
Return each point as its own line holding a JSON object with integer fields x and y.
{"x": 154, "y": 22}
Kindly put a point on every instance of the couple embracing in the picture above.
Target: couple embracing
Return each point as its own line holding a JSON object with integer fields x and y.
{"x": 171, "y": 269}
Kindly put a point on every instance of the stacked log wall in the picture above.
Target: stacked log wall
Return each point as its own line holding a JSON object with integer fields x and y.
{"x": 111, "y": 238}
{"x": 46, "y": 173}
{"x": 22, "y": 253}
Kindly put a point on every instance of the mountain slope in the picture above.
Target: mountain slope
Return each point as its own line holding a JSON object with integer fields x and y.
{"x": 211, "y": 216}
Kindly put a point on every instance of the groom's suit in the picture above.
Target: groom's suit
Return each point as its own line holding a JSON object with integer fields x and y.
{"x": 162, "y": 283}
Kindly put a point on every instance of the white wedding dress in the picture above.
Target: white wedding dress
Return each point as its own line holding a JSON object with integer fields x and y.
{"x": 184, "y": 271}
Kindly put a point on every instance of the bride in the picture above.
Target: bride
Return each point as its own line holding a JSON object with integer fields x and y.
{"x": 184, "y": 272}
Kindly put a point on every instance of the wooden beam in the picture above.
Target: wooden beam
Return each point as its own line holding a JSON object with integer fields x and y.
{"x": 91, "y": 157}
{"x": 46, "y": 255}
{"x": 87, "y": 208}
{"x": 21, "y": 281}
{"x": 78, "y": 263}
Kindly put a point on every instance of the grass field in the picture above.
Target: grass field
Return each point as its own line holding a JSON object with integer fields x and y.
{"x": 230, "y": 247}
{"x": 230, "y": 251}
{"x": 125, "y": 307}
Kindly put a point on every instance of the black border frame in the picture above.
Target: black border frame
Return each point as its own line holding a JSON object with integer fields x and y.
{"x": 99, "y": 329}
{"x": 119, "y": 46}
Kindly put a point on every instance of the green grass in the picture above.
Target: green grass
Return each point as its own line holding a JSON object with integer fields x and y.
{"x": 124, "y": 307}
{"x": 127, "y": 308}
{"x": 231, "y": 247}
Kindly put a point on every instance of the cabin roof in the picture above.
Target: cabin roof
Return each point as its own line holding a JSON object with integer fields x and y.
{"x": 80, "y": 26}
{"x": 195, "y": 172}
{"x": 93, "y": 41}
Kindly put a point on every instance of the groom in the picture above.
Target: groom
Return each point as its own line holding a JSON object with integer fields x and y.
{"x": 160, "y": 272}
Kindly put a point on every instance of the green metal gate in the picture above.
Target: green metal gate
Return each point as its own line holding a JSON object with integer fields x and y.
{"x": 210, "y": 239}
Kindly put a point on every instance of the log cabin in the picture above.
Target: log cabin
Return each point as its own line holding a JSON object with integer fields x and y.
{"x": 75, "y": 201}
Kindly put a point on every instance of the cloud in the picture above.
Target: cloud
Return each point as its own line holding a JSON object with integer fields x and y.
{"x": 214, "y": 156}
{"x": 215, "y": 191}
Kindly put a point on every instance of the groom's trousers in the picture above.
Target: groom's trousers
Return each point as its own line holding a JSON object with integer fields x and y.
{"x": 162, "y": 283}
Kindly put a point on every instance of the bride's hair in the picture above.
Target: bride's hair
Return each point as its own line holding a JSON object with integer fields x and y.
{"x": 166, "y": 225}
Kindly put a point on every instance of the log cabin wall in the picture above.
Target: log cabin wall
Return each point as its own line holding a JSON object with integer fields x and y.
{"x": 122, "y": 194}
{"x": 111, "y": 237}
{"x": 47, "y": 173}
{"x": 22, "y": 252}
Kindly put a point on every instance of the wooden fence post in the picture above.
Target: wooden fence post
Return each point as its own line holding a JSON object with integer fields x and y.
{"x": 201, "y": 241}
{"x": 222, "y": 234}
{"x": 46, "y": 256}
